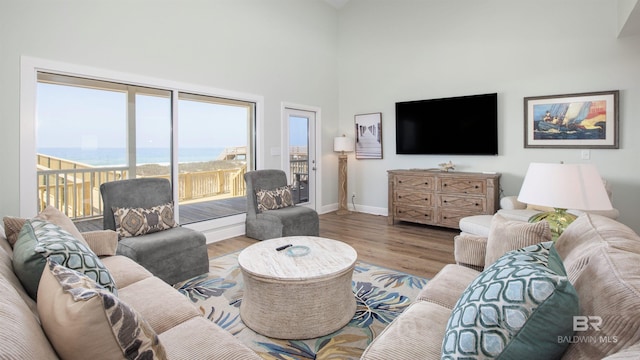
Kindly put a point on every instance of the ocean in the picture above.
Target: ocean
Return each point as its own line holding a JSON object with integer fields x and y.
{"x": 118, "y": 156}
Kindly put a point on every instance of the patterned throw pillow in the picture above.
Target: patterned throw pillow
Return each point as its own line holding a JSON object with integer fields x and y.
{"x": 139, "y": 221}
{"x": 517, "y": 308}
{"x": 274, "y": 199}
{"x": 41, "y": 239}
{"x": 13, "y": 225}
{"x": 83, "y": 321}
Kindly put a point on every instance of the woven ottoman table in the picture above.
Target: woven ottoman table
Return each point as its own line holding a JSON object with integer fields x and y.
{"x": 297, "y": 287}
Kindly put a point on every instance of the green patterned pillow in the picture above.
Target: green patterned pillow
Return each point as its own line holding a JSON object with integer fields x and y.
{"x": 139, "y": 221}
{"x": 274, "y": 199}
{"x": 38, "y": 240}
{"x": 515, "y": 309}
{"x": 84, "y": 321}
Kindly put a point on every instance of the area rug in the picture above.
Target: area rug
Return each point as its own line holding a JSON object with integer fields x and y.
{"x": 381, "y": 295}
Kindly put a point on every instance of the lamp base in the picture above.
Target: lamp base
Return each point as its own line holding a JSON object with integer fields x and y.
{"x": 558, "y": 221}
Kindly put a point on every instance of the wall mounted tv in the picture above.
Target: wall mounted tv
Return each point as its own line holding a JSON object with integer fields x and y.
{"x": 464, "y": 125}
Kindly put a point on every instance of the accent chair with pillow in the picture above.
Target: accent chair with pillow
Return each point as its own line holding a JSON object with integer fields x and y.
{"x": 141, "y": 212}
{"x": 271, "y": 212}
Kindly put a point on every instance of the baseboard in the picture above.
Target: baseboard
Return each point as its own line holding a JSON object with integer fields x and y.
{"x": 220, "y": 229}
{"x": 373, "y": 210}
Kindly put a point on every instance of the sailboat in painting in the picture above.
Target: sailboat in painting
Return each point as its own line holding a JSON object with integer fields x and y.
{"x": 576, "y": 120}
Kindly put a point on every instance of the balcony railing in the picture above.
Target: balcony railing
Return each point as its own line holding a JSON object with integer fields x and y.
{"x": 74, "y": 188}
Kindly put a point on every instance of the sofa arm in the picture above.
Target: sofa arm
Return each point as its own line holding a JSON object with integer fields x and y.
{"x": 511, "y": 203}
{"x": 470, "y": 250}
{"x": 102, "y": 242}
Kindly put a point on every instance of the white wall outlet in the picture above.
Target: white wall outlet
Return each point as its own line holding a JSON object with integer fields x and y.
{"x": 586, "y": 154}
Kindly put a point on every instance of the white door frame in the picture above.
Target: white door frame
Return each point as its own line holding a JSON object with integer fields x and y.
{"x": 317, "y": 193}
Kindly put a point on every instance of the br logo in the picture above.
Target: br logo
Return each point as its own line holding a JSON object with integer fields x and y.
{"x": 583, "y": 323}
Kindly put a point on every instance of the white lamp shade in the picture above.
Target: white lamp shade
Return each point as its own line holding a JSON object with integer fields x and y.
{"x": 343, "y": 143}
{"x": 564, "y": 186}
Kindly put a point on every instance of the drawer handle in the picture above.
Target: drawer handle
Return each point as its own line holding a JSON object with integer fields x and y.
{"x": 476, "y": 204}
{"x": 477, "y": 186}
{"x": 426, "y": 199}
{"x": 426, "y": 183}
{"x": 399, "y": 181}
{"x": 445, "y": 201}
{"x": 399, "y": 196}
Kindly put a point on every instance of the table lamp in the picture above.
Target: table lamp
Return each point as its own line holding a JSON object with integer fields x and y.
{"x": 562, "y": 187}
{"x": 342, "y": 145}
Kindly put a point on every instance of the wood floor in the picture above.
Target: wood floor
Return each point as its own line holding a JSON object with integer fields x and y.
{"x": 415, "y": 249}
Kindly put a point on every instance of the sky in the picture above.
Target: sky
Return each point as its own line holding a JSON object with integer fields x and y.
{"x": 69, "y": 116}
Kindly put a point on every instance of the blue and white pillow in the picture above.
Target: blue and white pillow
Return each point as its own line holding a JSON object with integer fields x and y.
{"x": 39, "y": 240}
{"x": 517, "y": 308}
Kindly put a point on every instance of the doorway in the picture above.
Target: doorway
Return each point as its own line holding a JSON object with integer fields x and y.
{"x": 299, "y": 153}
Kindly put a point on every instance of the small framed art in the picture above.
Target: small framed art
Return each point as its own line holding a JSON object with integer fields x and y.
{"x": 368, "y": 136}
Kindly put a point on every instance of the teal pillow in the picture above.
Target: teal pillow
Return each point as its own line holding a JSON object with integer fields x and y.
{"x": 515, "y": 309}
{"x": 39, "y": 240}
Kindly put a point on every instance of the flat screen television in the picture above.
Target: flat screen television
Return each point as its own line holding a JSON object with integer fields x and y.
{"x": 464, "y": 125}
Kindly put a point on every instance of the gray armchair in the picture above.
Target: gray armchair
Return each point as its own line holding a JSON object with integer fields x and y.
{"x": 172, "y": 255}
{"x": 287, "y": 221}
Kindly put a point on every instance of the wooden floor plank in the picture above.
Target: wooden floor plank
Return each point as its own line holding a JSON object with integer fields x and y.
{"x": 415, "y": 249}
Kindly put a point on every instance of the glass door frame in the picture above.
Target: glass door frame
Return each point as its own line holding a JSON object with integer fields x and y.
{"x": 315, "y": 175}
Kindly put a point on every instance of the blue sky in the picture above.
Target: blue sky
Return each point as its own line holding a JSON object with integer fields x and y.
{"x": 87, "y": 118}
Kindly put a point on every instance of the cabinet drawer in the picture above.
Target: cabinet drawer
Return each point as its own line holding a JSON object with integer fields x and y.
{"x": 451, "y": 218}
{"x": 417, "y": 183}
{"x": 463, "y": 186}
{"x": 414, "y": 214}
{"x": 470, "y": 204}
{"x": 407, "y": 197}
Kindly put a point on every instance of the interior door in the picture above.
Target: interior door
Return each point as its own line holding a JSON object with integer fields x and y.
{"x": 299, "y": 158}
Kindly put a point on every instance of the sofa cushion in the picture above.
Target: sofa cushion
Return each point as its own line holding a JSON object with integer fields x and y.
{"x": 447, "y": 286}
{"x": 40, "y": 239}
{"x": 517, "y": 308}
{"x": 160, "y": 304}
{"x": 13, "y": 225}
{"x": 506, "y": 235}
{"x": 7, "y": 274}
{"x": 602, "y": 258}
{"x": 139, "y": 221}
{"x": 21, "y": 333}
{"x": 415, "y": 334}
{"x": 201, "y": 338}
{"x": 274, "y": 199}
{"x": 83, "y": 321}
{"x": 125, "y": 271}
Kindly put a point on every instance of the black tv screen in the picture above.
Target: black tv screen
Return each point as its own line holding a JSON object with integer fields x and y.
{"x": 464, "y": 125}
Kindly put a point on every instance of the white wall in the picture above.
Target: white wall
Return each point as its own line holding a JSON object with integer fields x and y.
{"x": 283, "y": 50}
{"x": 409, "y": 50}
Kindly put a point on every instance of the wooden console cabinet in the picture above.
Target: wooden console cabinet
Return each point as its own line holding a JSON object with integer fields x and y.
{"x": 439, "y": 198}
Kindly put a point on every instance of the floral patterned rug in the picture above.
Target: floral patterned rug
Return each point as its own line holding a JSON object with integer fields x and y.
{"x": 381, "y": 295}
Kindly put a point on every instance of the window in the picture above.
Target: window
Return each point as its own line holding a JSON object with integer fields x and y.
{"x": 214, "y": 136}
{"x": 89, "y": 132}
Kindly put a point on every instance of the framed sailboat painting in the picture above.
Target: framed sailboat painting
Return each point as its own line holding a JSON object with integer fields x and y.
{"x": 585, "y": 120}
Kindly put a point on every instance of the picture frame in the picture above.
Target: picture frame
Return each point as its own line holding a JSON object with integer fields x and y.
{"x": 368, "y": 130}
{"x": 572, "y": 121}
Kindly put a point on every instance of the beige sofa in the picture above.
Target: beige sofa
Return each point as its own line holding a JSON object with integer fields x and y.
{"x": 602, "y": 261}
{"x": 181, "y": 328}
